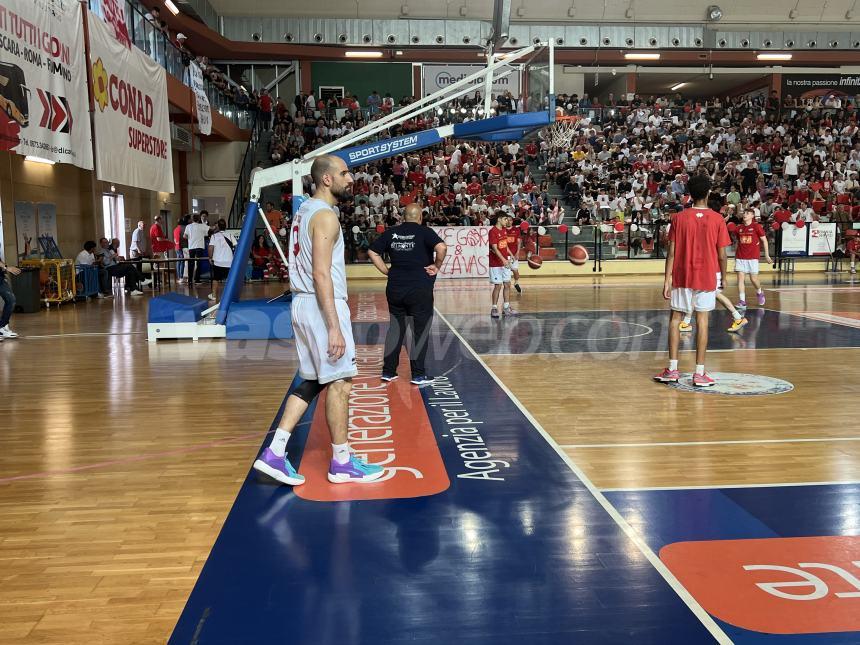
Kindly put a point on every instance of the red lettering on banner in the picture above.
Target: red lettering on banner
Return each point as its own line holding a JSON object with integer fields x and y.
{"x": 146, "y": 143}
{"x": 130, "y": 101}
{"x": 468, "y": 251}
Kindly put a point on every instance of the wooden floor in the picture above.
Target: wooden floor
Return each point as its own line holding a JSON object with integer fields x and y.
{"x": 120, "y": 459}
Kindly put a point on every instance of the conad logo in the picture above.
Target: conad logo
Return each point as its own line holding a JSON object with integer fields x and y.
{"x": 388, "y": 425}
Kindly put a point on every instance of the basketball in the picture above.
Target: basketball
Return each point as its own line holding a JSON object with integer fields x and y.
{"x": 535, "y": 262}
{"x": 577, "y": 254}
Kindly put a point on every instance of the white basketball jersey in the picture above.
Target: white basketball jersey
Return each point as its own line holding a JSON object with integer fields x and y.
{"x": 301, "y": 252}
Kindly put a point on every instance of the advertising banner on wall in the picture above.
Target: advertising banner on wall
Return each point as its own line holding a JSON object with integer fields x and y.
{"x": 810, "y": 86}
{"x": 204, "y": 111}
{"x": 438, "y": 77}
{"x": 43, "y": 82}
{"x": 132, "y": 129}
{"x": 468, "y": 251}
{"x": 822, "y": 238}
{"x": 794, "y": 241}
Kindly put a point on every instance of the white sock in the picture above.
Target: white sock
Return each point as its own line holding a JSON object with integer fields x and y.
{"x": 688, "y": 318}
{"x": 742, "y": 294}
{"x": 736, "y": 314}
{"x": 279, "y": 442}
{"x": 759, "y": 291}
{"x": 495, "y": 306}
{"x": 340, "y": 452}
{"x": 700, "y": 369}
{"x": 673, "y": 365}
{"x": 507, "y": 305}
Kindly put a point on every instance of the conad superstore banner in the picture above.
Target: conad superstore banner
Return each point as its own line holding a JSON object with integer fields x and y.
{"x": 43, "y": 82}
{"x": 131, "y": 124}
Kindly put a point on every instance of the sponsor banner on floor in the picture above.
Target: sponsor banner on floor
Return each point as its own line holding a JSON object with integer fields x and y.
{"x": 388, "y": 426}
{"x": 131, "y": 123}
{"x": 468, "y": 251}
{"x": 43, "y": 82}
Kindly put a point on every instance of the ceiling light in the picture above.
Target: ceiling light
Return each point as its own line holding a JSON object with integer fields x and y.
{"x": 172, "y": 8}
{"x": 714, "y": 13}
{"x": 642, "y": 56}
{"x": 774, "y": 57}
{"x": 677, "y": 86}
{"x": 49, "y": 162}
{"x": 369, "y": 53}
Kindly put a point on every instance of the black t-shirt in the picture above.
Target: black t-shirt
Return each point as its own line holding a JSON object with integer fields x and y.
{"x": 410, "y": 247}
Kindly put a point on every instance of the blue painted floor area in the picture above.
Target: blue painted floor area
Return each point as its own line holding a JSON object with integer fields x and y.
{"x": 641, "y": 331}
{"x": 665, "y": 517}
{"x": 529, "y": 557}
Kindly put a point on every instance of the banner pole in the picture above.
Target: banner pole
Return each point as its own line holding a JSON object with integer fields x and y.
{"x": 94, "y": 187}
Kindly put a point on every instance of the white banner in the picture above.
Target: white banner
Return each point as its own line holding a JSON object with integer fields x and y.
{"x": 822, "y": 238}
{"x": 437, "y": 77}
{"x": 468, "y": 251}
{"x": 204, "y": 112}
{"x": 131, "y": 124}
{"x": 793, "y": 240}
{"x": 43, "y": 82}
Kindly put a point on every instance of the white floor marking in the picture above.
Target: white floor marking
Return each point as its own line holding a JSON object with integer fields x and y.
{"x": 849, "y": 482}
{"x": 646, "y": 444}
{"x": 631, "y": 533}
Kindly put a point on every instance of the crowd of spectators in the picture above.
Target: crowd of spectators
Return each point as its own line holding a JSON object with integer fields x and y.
{"x": 628, "y": 161}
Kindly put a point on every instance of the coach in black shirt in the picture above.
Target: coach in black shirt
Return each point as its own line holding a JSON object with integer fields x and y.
{"x": 411, "y": 248}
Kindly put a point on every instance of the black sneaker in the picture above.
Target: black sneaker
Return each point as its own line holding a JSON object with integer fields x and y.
{"x": 517, "y": 287}
{"x": 388, "y": 377}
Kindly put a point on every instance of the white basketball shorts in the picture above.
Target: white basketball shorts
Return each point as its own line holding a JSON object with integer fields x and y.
{"x": 312, "y": 341}
{"x": 746, "y": 266}
{"x": 500, "y": 275}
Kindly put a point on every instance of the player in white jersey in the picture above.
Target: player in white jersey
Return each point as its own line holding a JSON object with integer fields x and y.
{"x": 321, "y": 322}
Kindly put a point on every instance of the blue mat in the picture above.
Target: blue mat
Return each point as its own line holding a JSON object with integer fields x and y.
{"x": 174, "y": 308}
{"x": 259, "y": 320}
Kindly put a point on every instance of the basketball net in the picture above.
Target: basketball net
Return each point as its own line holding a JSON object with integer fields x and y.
{"x": 560, "y": 133}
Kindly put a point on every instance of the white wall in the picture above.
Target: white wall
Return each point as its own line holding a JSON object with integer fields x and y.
{"x": 568, "y": 83}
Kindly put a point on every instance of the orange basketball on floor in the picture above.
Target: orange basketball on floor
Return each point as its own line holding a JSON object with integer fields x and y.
{"x": 535, "y": 261}
{"x": 577, "y": 254}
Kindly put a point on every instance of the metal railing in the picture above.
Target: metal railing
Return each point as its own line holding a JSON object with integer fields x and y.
{"x": 243, "y": 181}
{"x": 157, "y": 46}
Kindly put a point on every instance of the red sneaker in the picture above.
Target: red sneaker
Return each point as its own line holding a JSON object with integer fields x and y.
{"x": 668, "y": 376}
{"x": 703, "y": 380}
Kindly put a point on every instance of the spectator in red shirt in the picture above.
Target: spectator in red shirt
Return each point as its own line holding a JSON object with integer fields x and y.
{"x": 500, "y": 264}
{"x": 695, "y": 265}
{"x": 265, "y": 110}
{"x": 159, "y": 243}
{"x": 751, "y": 239}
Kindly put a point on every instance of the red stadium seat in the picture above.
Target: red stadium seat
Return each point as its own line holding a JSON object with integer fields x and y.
{"x": 548, "y": 253}
{"x": 818, "y": 205}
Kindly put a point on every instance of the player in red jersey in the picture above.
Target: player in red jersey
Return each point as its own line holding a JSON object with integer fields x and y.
{"x": 852, "y": 248}
{"x": 514, "y": 233}
{"x": 500, "y": 264}
{"x": 751, "y": 239}
{"x": 698, "y": 238}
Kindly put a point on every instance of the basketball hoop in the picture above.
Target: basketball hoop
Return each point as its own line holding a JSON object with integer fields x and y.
{"x": 560, "y": 133}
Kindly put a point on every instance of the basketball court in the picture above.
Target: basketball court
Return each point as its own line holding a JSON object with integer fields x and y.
{"x": 543, "y": 489}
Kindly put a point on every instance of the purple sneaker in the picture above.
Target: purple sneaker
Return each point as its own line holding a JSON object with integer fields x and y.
{"x": 278, "y": 468}
{"x": 355, "y": 470}
{"x": 510, "y": 311}
{"x": 494, "y": 312}
{"x": 760, "y": 298}
{"x": 742, "y": 304}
